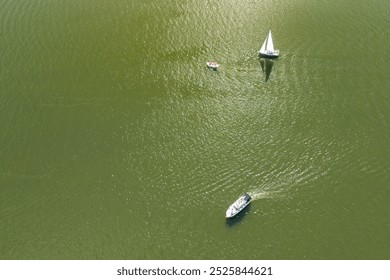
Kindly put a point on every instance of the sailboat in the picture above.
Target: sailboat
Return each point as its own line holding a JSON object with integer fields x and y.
{"x": 267, "y": 49}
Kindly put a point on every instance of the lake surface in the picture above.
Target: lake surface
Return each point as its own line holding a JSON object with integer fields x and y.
{"x": 118, "y": 143}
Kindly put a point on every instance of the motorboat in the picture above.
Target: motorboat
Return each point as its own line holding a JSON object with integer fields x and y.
{"x": 212, "y": 64}
{"x": 238, "y": 205}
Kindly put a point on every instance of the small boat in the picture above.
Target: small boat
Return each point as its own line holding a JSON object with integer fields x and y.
{"x": 267, "y": 49}
{"x": 212, "y": 64}
{"x": 238, "y": 205}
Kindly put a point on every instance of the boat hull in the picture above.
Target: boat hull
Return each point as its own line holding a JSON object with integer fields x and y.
{"x": 269, "y": 54}
{"x": 240, "y": 204}
{"x": 212, "y": 65}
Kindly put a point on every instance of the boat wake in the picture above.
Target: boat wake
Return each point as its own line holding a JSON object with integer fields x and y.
{"x": 262, "y": 194}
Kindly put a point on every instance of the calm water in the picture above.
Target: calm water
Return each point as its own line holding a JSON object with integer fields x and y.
{"x": 118, "y": 143}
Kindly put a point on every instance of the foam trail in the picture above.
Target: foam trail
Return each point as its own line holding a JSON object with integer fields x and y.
{"x": 262, "y": 194}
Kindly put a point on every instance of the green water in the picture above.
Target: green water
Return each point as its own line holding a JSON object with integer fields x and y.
{"x": 118, "y": 143}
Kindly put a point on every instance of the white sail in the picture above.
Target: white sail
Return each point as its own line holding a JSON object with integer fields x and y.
{"x": 270, "y": 43}
{"x": 267, "y": 49}
{"x": 264, "y": 46}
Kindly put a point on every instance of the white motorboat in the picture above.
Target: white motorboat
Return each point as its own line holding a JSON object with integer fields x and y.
{"x": 267, "y": 49}
{"x": 212, "y": 64}
{"x": 238, "y": 205}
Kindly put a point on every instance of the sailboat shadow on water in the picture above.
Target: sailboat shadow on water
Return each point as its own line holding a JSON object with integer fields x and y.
{"x": 266, "y": 66}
